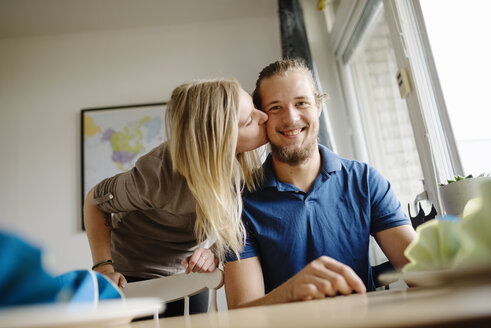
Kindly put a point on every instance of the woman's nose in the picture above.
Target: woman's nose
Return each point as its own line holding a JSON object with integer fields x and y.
{"x": 262, "y": 117}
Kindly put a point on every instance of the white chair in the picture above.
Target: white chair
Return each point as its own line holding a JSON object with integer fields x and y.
{"x": 176, "y": 287}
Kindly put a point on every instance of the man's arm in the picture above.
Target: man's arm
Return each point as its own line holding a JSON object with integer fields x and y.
{"x": 244, "y": 284}
{"x": 394, "y": 241}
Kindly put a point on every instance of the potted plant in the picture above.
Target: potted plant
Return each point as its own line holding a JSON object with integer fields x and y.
{"x": 456, "y": 193}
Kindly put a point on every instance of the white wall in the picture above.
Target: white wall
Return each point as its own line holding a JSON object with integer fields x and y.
{"x": 45, "y": 81}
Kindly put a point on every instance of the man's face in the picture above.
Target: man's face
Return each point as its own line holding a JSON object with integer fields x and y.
{"x": 293, "y": 123}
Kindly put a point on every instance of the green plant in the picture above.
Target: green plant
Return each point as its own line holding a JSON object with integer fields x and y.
{"x": 459, "y": 178}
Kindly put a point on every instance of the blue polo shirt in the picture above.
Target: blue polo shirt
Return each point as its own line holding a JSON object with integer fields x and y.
{"x": 288, "y": 228}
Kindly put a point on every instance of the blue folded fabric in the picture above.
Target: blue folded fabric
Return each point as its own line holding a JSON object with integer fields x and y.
{"x": 86, "y": 286}
{"x": 23, "y": 279}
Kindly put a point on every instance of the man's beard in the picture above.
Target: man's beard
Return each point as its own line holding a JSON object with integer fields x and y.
{"x": 294, "y": 156}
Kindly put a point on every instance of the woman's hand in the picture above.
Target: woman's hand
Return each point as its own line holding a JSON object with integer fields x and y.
{"x": 116, "y": 277}
{"x": 202, "y": 260}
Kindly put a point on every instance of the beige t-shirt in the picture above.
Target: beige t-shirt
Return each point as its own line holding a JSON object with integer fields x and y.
{"x": 153, "y": 216}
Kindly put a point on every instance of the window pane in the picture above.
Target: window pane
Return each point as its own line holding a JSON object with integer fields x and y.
{"x": 388, "y": 130}
{"x": 461, "y": 52}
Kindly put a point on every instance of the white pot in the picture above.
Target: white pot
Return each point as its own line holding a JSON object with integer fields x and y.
{"x": 455, "y": 195}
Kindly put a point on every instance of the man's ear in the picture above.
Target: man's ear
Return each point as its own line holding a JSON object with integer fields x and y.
{"x": 319, "y": 110}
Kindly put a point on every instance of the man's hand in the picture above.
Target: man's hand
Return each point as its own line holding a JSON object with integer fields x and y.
{"x": 244, "y": 284}
{"x": 202, "y": 260}
{"x": 321, "y": 277}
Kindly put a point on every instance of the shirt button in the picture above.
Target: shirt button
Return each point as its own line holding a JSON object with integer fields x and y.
{"x": 111, "y": 196}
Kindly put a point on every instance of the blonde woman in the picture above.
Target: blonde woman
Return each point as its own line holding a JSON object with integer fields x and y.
{"x": 152, "y": 220}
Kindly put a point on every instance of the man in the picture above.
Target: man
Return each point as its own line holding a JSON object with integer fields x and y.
{"x": 308, "y": 226}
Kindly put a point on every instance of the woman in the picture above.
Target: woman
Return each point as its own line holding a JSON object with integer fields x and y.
{"x": 145, "y": 223}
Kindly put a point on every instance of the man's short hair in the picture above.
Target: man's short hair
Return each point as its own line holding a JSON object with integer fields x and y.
{"x": 281, "y": 67}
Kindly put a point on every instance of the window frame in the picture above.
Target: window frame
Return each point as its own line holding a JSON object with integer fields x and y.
{"x": 433, "y": 133}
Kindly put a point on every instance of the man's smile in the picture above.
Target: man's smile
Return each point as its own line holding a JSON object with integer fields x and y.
{"x": 292, "y": 132}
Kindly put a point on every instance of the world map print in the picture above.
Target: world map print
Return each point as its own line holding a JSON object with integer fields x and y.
{"x": 114, "y": 139}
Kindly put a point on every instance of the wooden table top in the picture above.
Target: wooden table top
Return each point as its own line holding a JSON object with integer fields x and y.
{"x": 459, "y": 306}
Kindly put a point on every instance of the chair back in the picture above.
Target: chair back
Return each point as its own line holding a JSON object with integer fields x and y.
{"x": 180, "y": 286}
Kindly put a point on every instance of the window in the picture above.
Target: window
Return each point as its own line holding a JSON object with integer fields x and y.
{"x": 387, "y": 127}
{"x": 436, "y": 130}
{"x": 368, "y": 65}
{"x": 461, "y": 54}
{"x": 382, "y": 127}
{"x": 410, "y": 140}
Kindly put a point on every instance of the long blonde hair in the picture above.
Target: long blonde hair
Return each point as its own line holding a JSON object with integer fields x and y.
{"x": 202, "y": 120}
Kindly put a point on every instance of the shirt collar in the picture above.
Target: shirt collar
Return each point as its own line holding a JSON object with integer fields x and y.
{"x": 331, "y": 162}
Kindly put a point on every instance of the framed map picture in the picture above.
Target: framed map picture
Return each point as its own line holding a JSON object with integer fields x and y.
{"x": 113, "y": 138}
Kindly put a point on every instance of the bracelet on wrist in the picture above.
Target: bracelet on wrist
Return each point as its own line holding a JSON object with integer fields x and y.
{"x": 103, "y": 262}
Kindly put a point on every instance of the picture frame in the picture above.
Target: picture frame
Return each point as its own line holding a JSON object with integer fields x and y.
{"x": 113, "y": 138}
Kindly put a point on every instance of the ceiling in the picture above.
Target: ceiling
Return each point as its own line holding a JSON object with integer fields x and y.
{"x": 26, "y": 18}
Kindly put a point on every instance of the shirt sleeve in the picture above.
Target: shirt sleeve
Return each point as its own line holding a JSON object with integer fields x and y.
{"x": 250, "y": 247}
{"x": 385, "y": 208}
{"x": 148, "y": 185}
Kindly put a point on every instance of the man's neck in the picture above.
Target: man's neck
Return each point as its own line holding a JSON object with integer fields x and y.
{"x": 301, "y": 175}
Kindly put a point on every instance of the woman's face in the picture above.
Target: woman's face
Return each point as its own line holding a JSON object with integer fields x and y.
{"x": 252, "y": 130}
